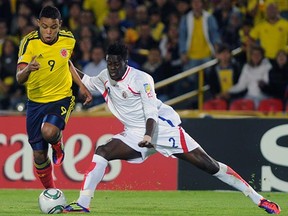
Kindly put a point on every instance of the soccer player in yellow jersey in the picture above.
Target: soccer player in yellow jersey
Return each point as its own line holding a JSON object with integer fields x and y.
{"x": 47, "y": 73}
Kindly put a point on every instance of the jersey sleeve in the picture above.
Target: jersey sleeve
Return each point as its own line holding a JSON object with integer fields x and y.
{"x": 94, "y": 83}
{"x": 25, "y": 53}
{"x": 145, "y": 85}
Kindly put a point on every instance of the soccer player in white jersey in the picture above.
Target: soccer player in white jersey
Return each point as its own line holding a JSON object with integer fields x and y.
{"x": 150, "y": 127}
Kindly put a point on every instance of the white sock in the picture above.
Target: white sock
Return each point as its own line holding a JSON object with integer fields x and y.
{"x": 229, "y": 176}
{"x": 92, "y": 178}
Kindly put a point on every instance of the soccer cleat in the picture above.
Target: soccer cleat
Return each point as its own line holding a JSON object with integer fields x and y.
{"x": 269, "y": 207}
{"x": 75, "y": 207}
{"x": 58, "y": 153}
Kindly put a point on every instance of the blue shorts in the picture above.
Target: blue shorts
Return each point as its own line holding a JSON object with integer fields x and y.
{"x": 35, "y": 115}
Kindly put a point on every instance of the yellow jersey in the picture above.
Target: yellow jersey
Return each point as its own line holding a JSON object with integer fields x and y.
{"x": 199, "y": 47}
{"x": 53, "y": 80}
{"x": 272, "y": 37}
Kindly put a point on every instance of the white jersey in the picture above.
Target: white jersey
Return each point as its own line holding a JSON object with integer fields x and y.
{"x": 132, "y": 99}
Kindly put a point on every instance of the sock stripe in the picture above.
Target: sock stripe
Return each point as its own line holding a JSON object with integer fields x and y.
{"x": 43, "y": 165}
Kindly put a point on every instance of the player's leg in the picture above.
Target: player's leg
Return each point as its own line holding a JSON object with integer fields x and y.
{"x": 54, "y": 121}
{"x": 42, "y": 163}
{"x": 175, "y": 141}
{"x": 203, "y": 161}
{"x": 114, "y": 149}
{"x": 53, "y": 135}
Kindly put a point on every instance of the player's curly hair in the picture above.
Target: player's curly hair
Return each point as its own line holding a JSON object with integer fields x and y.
{"x": 118, "y": 49}
{"x": 50, "y": 12}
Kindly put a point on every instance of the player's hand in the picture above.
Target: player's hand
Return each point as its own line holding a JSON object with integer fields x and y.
{"x": 85, "y": 94}
{"x": 146, "y": 142}
{"x": 33, "y": 65}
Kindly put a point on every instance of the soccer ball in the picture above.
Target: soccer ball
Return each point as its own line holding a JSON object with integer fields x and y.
{"x": 52, "y": 201}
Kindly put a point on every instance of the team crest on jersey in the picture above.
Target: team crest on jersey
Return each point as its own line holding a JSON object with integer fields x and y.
{"x": 64, "y": 53}
{"x": 148, "y": 91}
{"x": 124, "y": 94}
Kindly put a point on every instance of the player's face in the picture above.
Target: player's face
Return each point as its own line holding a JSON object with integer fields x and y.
{"x": 49, "y": 29}
{"x": 116, "y": 66}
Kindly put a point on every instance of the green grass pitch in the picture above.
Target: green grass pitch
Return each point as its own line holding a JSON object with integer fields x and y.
{"x": 147, "y": 203}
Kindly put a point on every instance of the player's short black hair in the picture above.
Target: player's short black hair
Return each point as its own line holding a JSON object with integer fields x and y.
{"x": 50, "y": 12}
{"x": 118, "y": 49}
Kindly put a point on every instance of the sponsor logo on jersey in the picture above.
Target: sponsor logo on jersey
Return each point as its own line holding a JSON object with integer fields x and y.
{"x": 64, "y": 53}
{"x": 148, "y": 91}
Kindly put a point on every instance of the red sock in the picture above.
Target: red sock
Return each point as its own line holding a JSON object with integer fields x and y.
{"x": 45, "y": 176}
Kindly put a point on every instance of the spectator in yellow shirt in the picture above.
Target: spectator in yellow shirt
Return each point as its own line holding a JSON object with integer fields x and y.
{"x": 282, "y": 6}
{"x": 272, "y": 33}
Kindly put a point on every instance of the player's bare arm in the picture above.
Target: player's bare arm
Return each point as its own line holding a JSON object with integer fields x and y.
{"x": 150, "y": 128}
{"x": 84, "y": 92}
{"x": 24, "y": 70}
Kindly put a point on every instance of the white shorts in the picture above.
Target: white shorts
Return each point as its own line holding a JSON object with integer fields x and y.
{"x": 166, "y": 140}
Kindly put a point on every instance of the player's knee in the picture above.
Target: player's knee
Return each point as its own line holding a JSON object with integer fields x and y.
{"x": 51, "y": 133}
{"x": 212, "y": 167}
{"x": 102, "y": 151}
{"x": 51, "y": 128}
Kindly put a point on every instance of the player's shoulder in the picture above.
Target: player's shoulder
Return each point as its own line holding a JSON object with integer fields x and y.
{"x": 31, "y": 36}
{"x": 140, "y": 75}
{"x": 66, "y": 33}
{"x": 135, "y": 72}
{"x": 103, "y": 74}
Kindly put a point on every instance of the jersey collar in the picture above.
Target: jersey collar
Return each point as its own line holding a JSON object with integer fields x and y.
{"x": 126, "y": 73}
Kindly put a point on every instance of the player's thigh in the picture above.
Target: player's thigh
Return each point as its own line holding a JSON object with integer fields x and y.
{"x": 131, "y": 138}
{"x": 34, "y": 117}
{"x": 173, "y": 140}
{"x": 117, "y": 149}
{"x": 57, "y": 113}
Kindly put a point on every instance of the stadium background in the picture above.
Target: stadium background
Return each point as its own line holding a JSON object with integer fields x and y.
{"x": 256, "y": 148}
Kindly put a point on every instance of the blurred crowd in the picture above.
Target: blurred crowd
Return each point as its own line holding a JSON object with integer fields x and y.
{"x": 164, "y": 37}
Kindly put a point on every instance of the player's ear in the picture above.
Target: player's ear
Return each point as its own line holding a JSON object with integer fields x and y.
{"x": 38, "y": 22}
{"x": 60, "y": 23}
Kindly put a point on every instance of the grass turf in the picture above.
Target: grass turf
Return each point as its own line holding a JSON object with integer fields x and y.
{"x": 144, "y": 203}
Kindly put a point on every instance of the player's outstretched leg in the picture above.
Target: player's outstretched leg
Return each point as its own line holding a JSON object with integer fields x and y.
{"x": 92, "y": 178}
{"x": 229, "y": 176}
